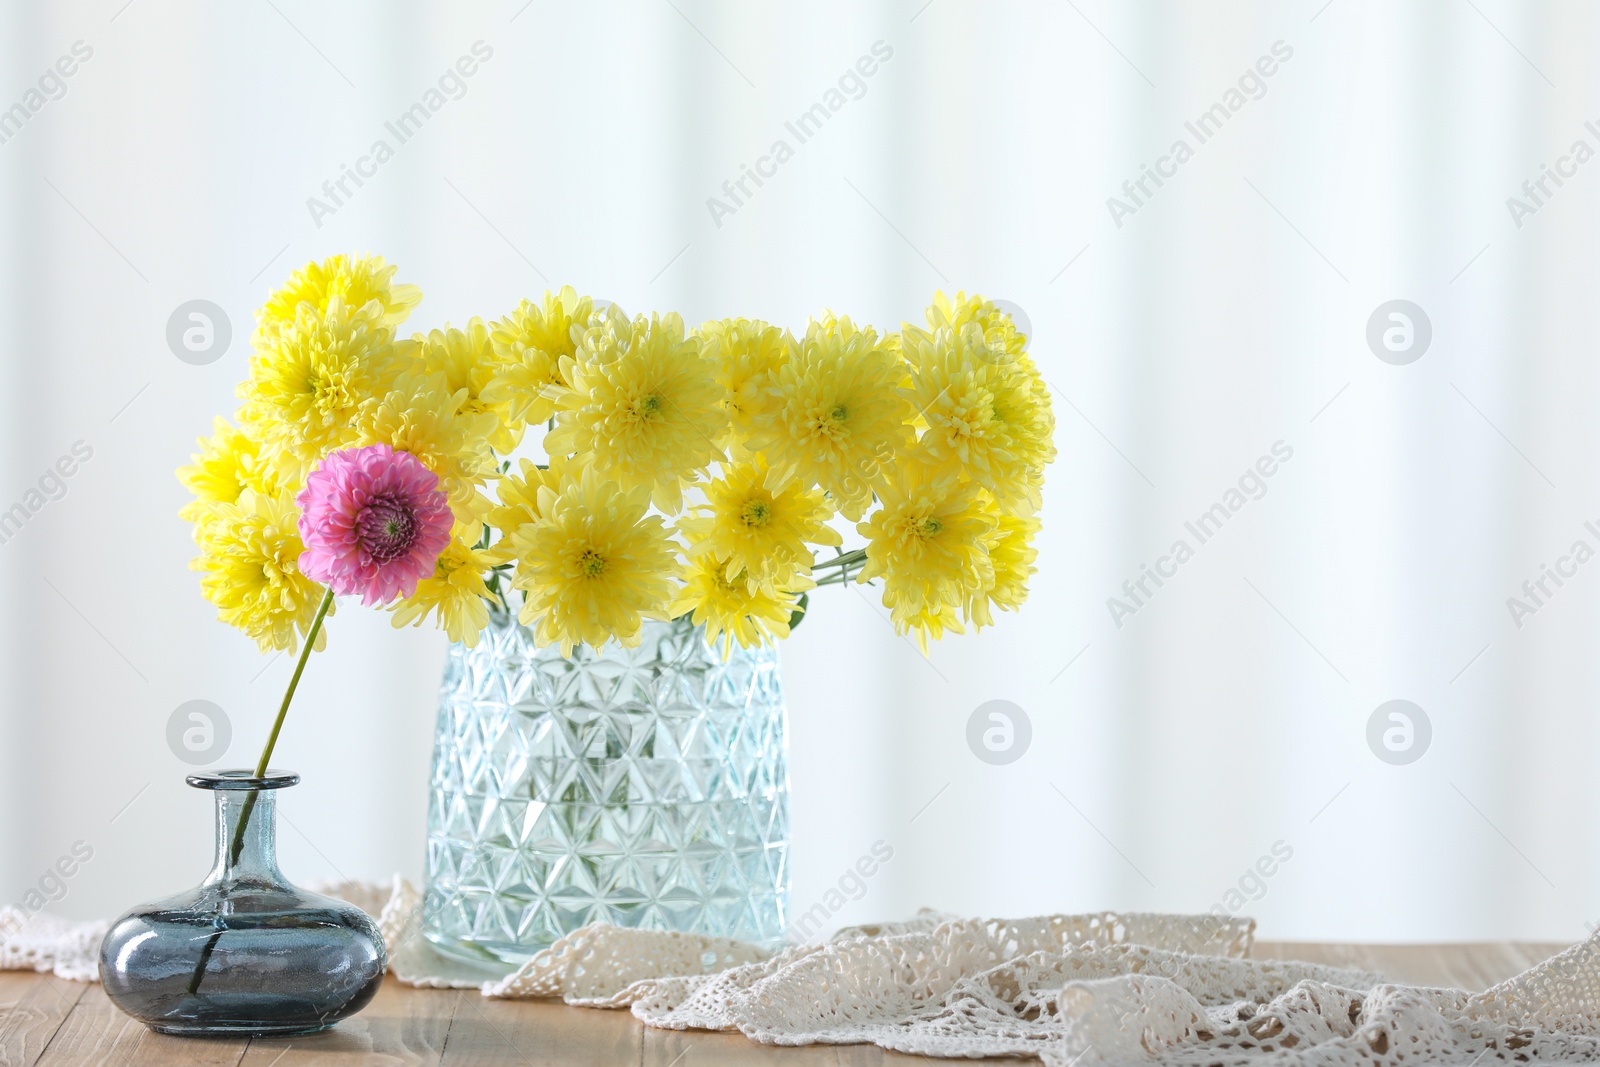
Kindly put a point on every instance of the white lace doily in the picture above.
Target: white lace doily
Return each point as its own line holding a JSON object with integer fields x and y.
{"x": 1073, "y": 990}
{"x": 40, "y": 942}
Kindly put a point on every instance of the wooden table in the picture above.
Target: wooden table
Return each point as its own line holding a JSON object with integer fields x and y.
{"x": 47, "y": 1022}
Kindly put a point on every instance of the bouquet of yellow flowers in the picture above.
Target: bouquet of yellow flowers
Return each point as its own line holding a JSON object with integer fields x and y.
{"x": 683, "y": 471}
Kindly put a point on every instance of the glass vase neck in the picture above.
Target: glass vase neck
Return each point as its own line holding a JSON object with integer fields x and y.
{"x": 251, "y": 853}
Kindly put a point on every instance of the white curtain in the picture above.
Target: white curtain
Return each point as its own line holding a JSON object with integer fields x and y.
{"x": 1212, "y": 749}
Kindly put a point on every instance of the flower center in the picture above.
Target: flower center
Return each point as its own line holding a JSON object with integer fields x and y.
{"x": 929, "y": 527}
{"x": 591, "y": 564}
{"x": 829, "y": 424}
{"x": 755, "y": 513}
{"x": 651, "y": 404}
{"x": 328, "y": 392}
{"x": 386, "y": 528}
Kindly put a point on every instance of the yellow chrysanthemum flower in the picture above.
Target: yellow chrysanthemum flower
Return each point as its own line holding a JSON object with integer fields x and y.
{"x": 839, "y": 417}
{"x": 529, "y": 344}
{"x": 999, "y": 330}
{"x": 595, "y": 565}
{"x": 517, "y": 506}
{"x": 748, "y": 353}
{"x": 736, "y": 609}
{"x": 423, "y": 416}
{"x": 1011, "y": 555}
{"x": 832, "y": 322}
{"x": 927, "y": 543}
{"x": 469, "y": 364}
{"x": 361, "y": 283}
{"x": 755, "y": 525}
{"x": 249, "y": 559}
{"x": 928, "y": 623}
{"x": 228, "y": 463}
{"x": 982, "y": 417}
{"x": 644, "y": 405}
{"x": 517, "y": 496}
{"x": 1023, "y": 405}
{"x": 455, "y": 593}
{"x": 310, "y": 381}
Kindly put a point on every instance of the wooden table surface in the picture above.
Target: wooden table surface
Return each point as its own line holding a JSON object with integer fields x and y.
{"x": 48, "y": 1022}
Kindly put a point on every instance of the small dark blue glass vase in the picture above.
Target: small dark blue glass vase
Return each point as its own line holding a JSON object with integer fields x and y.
{"x": 244, "y": 952}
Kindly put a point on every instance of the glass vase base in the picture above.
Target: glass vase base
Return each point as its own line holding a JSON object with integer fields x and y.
{"x": 254, "y": 1029}
{"x": 489, "y": 955}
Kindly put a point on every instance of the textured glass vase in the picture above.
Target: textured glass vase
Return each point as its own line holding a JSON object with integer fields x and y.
{"x": 645, "y": 787}
{"x": 244, "y": 952}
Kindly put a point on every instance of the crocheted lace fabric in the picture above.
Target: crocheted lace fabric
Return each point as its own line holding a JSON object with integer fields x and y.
{"x": 1072, "y": 990}
{"x": 40, "y": 942}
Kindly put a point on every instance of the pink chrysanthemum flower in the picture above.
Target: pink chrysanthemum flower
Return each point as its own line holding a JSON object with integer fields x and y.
{"x": 374, "y": 522}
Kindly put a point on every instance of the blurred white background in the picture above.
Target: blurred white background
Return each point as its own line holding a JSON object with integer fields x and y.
{"x": 1228, "y": 312}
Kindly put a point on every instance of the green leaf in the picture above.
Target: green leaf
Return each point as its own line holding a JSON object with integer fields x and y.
{"x": 799, "y": 613}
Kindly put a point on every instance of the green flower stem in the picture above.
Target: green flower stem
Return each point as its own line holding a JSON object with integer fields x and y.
{"x": 261, "y": 770}
{"x": 277, "y": 725}
{"x": 844, "y": 559}
{"x": 845, "y": 562}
